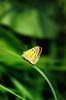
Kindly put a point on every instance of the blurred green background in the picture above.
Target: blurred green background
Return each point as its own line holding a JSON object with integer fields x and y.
{"x": 23, "y": 25}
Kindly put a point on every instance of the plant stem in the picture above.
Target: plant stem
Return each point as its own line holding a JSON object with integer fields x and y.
{"x": 45, "y": 77}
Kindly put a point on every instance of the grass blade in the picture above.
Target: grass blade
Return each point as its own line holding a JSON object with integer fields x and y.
{"x": 8, "y": 90}
{"x": 45, "y": 77}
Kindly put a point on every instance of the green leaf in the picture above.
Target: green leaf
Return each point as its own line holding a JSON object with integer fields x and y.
{"x": 32, "y": 21}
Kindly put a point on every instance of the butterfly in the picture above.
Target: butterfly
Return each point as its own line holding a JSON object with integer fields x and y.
{"x": 32, "y": 55}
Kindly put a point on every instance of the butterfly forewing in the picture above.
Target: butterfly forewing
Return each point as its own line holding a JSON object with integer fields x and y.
{"x": 32, "y": 55}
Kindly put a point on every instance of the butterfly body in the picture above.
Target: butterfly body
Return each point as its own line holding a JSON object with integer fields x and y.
{"x": 32, "y": 55}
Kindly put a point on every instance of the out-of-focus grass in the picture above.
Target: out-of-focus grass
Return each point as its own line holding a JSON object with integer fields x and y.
{"x": 24, "y": 24}
{"x": 6, "y": 89}
{"x": 17, "y": 84}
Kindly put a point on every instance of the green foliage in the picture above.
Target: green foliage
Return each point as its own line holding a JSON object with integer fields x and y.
{"x": 35, "y": 21}
{"x": 25, "y": 24}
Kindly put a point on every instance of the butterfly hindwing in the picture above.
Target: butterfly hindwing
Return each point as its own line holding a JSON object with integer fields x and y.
{"x": 32, "y": 55}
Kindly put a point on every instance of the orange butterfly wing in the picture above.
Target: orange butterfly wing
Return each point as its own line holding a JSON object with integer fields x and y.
{"x": 32, "y": 55}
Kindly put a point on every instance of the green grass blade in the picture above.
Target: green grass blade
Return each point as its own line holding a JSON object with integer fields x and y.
{"x": 8, "y": 90}
{"x": 45, "y": 77}
{"x": 22, "y": 89}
